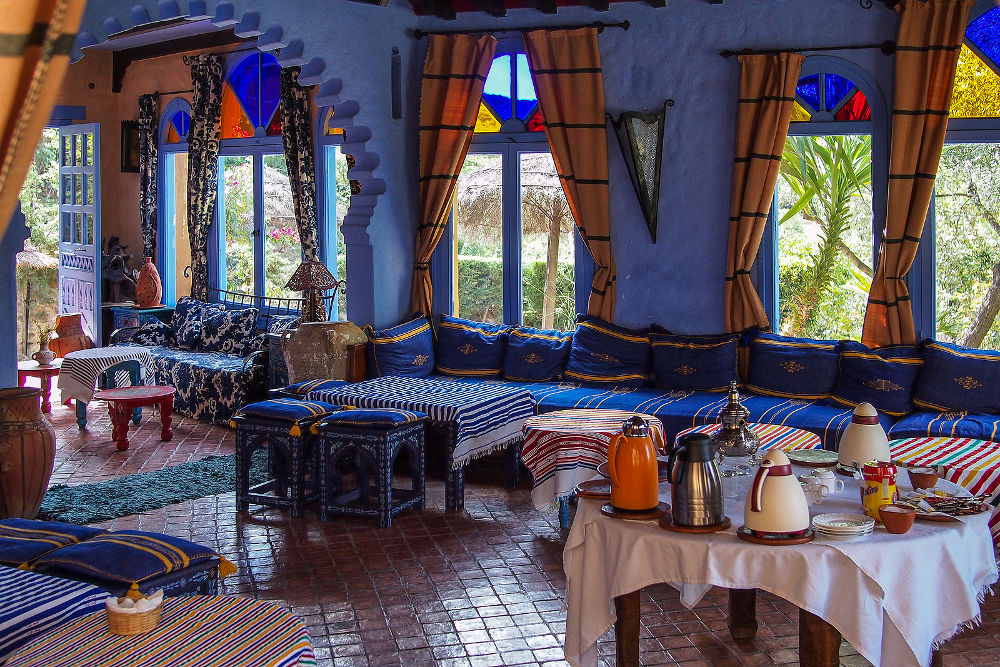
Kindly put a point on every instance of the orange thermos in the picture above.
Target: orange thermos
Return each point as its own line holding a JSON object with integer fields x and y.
{"x": 632, "y": 466}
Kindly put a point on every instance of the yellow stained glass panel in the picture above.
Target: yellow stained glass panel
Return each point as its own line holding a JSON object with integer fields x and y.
{"x": 977, "y": 88}
{"x": 328, "y": 128}
{"x": 799, "y": 114}
{"x": 486, "y": 121}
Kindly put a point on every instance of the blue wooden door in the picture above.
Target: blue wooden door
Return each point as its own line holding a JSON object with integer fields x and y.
{"x": 80, "y": 225}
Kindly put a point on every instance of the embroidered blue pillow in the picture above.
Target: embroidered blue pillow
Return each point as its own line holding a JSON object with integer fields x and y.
{"x": 694, "y": 363}
{"x": 186, "y": 321}
{"x": 303, "y": 388}
{"x": 884, "y": 377}
{"x": 470, "y": 349}
{"x": 792, "y": 367}
{"x": 279, "y": 324}
{"x": 357, "y": 417}
{"x": 536, "y": 355}
{"x": 605, "y": 355}
{"x": 24, "y": 540}
{"x": 129, "y": 556}
{"x": 958, "y": 378}
{"x": 406, "y": 349}
{"x": 151, "y": 333}
{"x": 229, "y": 331}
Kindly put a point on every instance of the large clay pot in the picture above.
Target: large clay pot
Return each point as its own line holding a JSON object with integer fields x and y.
{"x": 148, "y": 288}
{"x": 318, "y": 350}
{"x": 70, "y": 335}
{"x": 27, "y": 451}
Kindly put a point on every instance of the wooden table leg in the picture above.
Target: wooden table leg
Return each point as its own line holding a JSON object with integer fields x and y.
{"x": 743, "y": 613}
{"x": 120, "y": 415}
{"x": 819, "y": 642}
{"x": 46, "y": 382}
{"x": 627, "y": 630}
{"x": 166, "y": 417}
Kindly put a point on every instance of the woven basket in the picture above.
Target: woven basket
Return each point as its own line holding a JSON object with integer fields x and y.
{"x": 134, "y": 623}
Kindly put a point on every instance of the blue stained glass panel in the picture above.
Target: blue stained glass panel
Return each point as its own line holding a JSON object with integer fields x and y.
{"x": 271, "y": 85}
{"x": 984, "y": 32}
{"x": 497, "y": 89}
{"x": 245, "y": 81}
{"x": 181, "y": 122}
{"x": 527, "y": 100}
{"x": 808, "y": 90}
{"x": 836, "y": 88}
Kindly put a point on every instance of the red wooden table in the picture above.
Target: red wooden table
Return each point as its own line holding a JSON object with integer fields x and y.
{"x": 26, "y": 369}
{"x": 122, "y": 400}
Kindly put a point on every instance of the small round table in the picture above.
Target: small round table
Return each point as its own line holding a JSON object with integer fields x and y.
{"x": 26, "y": 369}
{"x": 123, "y": 400}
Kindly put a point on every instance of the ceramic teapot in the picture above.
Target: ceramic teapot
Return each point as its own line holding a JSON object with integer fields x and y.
{"x": 864, "y": 438}
{"x": 776, "y": 502}
{"x": 632, "y": 467}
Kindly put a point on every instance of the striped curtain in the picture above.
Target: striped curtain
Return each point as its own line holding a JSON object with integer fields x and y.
{"x": 451, "y": 89}
{"x": 767, "y": 91}
{"x": 930, "y": 37}
{"x": 566, "y": 70}
{"x": 35, "y": 43}
{"x": 148, "y": 105}
{"x": 297, "y": 140}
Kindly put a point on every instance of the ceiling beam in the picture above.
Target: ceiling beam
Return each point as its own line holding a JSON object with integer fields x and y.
{"x": 122, "y": 60}
{"x": 598, "y": 5}
{"x": 443, "y": 9}
{"x": 656, "y": 3}
{"x": 546, "y": 6}
{"x": 495, "y": 8}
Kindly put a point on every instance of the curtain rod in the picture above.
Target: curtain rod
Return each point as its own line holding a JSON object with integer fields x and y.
{"x": 171, "y": 92}
{"x": 600, "y": 25}
{"x": 888, "y": 48}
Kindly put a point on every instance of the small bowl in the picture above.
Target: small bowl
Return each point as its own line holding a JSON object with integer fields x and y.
{"x": 897, "y": 519}
{"x": 922, "y": 477}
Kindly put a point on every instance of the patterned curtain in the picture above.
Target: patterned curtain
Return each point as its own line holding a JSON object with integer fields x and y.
{"x": 35, "y": 43}
{"x": 767, "y": 92}
{"x": 451, "y": 88}
{"x": 297, "y": 139}
{"x": 147, "y": 172}
{"x": 930, "y": 37}
{"x": 203, "y": 163}
{"x": 566, "y": 70}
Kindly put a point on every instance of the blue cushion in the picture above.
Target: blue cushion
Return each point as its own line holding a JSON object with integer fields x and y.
{"x": 883, "y": 377}
{"x": 604, "y": 355}
{"x": 286, "y": 409}
{"x": 24, "y": 540}
{"x": 955, "y": 424}
{"x": 356, "y": 417}
{"x": 303, "y": 388}
{"x": 229, "y": 331}
{"x": 958, "y": 378}
{"x": 792, "y": 367}
{"x": 186, "y": 321}
{"x": 470, "y": 349}
{"x": 707, "y": 363}
{"x": 536, "y": 355}
{"x": 153, "y": 332}
{"x": 129, "y": 556}
{"x": 406, "y": 349}
{"x": 279, "y": 324}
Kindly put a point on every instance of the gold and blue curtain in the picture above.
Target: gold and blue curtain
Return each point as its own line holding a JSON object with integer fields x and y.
{"x": 35, "y": 44}
{"x": 203, "y": 163}
{"x": 566, "y": 71}
{"x": 297, "y": 139}
{"x": 927, "y": 50}
{"x": 767, "y": 93}
{"x": 148, "y": 111}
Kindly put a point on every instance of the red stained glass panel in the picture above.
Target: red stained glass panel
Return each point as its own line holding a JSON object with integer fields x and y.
{"x": 855, "y": 108}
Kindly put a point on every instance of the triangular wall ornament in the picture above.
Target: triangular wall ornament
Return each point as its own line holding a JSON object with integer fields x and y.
{"x": 640, "y": 136}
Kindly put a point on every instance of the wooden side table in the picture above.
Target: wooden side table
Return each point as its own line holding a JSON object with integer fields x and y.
{"x": 26, "y": 369}
{"x": 123, "y": 400}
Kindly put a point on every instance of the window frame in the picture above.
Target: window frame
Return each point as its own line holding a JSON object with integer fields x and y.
{"x": 764, "y": 273}
{"x": 513, "y": 140}
{"x": 326, "y": 195}
{"x": 165, "y": 252}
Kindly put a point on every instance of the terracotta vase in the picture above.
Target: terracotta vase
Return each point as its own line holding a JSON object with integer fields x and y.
{"x": 44, "y": 356}
{"x": 70, "y": 335}
{"x": 27, "y": 451}
{"x": 148, "y": 288}
{"x": 318, "y": 350}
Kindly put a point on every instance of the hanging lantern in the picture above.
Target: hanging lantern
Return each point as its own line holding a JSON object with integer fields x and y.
{"x": 640, "y": 137}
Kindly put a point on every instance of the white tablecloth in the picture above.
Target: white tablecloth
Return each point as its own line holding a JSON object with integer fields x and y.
{"x": 893, "y": 597}
{"x": 81, "y": 369}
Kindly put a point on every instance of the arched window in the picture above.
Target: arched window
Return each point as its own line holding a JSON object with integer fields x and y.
{"x": 819, "y": 252}
{"x": 174, "y": 256}
{"x": 510, "y": 253}
{"x": 250, "y": 98}
{"x": 959, "y": 256}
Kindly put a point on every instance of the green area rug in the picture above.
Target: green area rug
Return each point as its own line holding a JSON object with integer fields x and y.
{"x": 135, "y": 494}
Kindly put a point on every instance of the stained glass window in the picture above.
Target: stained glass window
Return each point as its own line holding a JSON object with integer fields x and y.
{"x": 177, "y": 129}
{"x": 827, "y": 97}
{"x": 250, "y": 98}
{"x": 508, "y": 93}
{"x": 977, "y": 87}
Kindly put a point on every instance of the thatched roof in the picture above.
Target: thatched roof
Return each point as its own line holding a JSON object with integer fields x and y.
{"x": 35, "y": 258}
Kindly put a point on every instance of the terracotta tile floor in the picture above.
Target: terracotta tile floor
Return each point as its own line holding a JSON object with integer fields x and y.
{"x": 480, "y": 587}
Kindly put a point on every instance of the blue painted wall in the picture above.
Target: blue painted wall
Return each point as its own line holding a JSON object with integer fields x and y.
{"x": 668, "y": 52}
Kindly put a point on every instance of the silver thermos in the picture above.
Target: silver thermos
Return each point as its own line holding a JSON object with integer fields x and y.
{"x": 695, "y": 483}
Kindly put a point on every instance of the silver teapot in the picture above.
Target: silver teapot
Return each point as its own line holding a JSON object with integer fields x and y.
{"x": 735, "y": 437}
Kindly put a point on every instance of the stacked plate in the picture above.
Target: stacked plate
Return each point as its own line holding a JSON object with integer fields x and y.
{"x": 837, "y": 526}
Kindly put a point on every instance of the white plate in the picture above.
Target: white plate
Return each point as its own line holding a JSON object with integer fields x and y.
{"x": 843, "y": 523}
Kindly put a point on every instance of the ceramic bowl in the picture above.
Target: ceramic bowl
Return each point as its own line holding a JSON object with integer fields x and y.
{"x": 922, "y": 477}
{"x": 897, "y": 518}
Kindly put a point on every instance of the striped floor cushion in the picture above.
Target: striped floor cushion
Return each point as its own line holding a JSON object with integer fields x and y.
{"x": 772, "y": 436}
{"x": 970, "y": 463}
